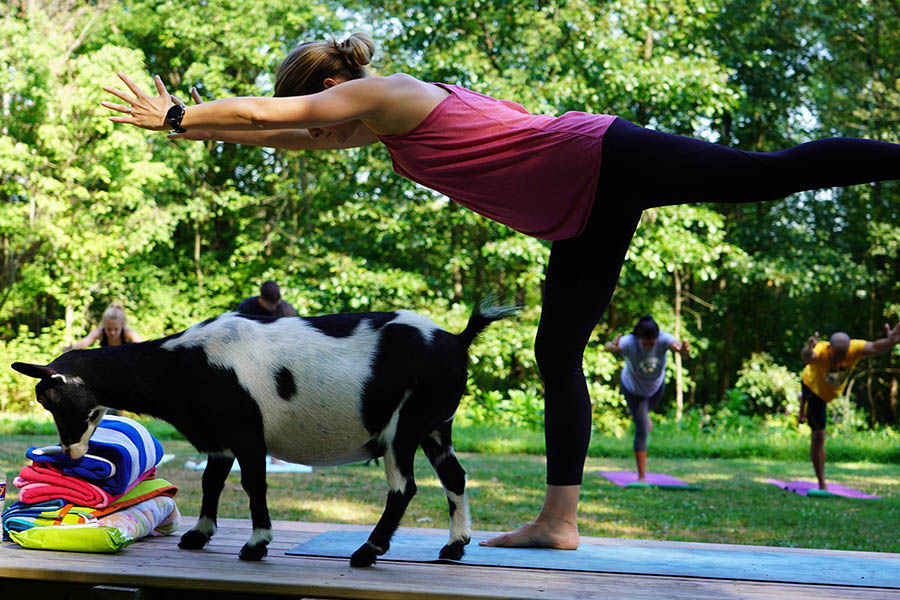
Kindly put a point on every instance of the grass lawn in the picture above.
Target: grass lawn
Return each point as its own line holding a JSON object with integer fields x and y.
{"x": 734, "y": 507}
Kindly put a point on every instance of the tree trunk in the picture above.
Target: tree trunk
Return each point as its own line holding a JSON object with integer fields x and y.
{"x": 679, "y": 392}
{"x": 70, "y": 319}
{"x": 872, "y": 412}
{"x": 725, "y": 364}
{"x": 197, "y": 269}
{"x": 456, "y": 274}
{"x": 894, "y": 399}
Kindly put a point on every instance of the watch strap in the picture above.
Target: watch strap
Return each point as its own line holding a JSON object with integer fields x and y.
{"x": 174, "y": 116}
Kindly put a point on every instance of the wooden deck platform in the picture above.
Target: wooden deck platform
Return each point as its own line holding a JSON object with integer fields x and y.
{"x": 158, "y": 569}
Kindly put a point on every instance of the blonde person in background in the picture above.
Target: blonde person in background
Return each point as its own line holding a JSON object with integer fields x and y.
{"x": 112, "y": 331}
{"x": 828, "y": 368}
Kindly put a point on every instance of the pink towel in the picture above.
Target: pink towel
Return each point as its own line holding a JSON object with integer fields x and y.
{"x": 40, "y": 482}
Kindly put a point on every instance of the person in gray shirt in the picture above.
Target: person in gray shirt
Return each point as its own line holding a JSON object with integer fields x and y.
{"x": 644, "y": 377}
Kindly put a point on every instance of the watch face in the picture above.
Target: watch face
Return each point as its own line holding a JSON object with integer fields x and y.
{"x": 174, "y": 117}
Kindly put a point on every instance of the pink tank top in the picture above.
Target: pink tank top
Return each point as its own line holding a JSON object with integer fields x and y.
{"x": 535, "y": 173}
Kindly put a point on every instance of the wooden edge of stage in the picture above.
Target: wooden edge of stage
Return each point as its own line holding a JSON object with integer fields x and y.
{"x": 159, "y": 568}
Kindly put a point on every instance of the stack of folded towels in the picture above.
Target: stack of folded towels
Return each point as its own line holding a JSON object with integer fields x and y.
{"x": 99, "y": 503}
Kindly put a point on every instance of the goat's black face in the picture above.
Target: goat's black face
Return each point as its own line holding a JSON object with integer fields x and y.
{"x": 75, "y": 410}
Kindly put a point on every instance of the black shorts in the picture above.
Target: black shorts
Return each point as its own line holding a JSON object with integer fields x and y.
{"x": 816, "y": 412}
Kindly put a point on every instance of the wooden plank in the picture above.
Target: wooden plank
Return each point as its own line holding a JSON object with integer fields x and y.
{"x": 159, "y": 563}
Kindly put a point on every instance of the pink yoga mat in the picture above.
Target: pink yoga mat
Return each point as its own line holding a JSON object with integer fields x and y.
{"x": 623, "y": 478}
{"x": 803, "y": 488}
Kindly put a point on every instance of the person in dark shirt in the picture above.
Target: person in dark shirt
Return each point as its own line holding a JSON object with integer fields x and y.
{"x": 268, "y": 303}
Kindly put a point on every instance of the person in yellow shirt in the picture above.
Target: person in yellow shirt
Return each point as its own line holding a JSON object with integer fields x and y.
{"x": 828, "y": 368}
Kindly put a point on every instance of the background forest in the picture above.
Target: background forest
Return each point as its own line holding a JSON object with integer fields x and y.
{"x": 92, "y": 213}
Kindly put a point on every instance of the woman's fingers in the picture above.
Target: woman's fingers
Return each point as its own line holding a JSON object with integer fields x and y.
{"x": 118, "y": 107}
{"x": 119, "y": 94}
{"x": 132, "y": 86}
{"x": 196, "y": 96}
{"x": 160, "y": 86}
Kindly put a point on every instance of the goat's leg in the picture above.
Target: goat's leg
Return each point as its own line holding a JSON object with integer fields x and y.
{"x": 217, "y": 468}
{"x": 438, "y": 448}
{"x": 253, "y": 480}
{"x": 398, "y": 466}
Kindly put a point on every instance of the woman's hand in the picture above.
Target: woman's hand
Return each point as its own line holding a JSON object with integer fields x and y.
{"x": 147, "y": 112}
{"x": 194, "y": 134}
{"x": 613, "y": 346}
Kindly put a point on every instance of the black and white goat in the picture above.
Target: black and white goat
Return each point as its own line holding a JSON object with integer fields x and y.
{"x": 324, "y": 390}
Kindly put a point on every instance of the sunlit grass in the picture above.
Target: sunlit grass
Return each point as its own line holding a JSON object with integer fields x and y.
{"x": 688, "y": 439}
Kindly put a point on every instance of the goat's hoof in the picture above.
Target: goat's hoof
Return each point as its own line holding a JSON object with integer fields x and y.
{"x": 454, "y": 550}
{"x": 254, "y": 552}
{"x": 193, "y": 540}
{"x": 365, "y": 555}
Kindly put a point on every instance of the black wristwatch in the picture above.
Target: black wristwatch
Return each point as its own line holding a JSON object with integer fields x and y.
{"x": 174, "y": 117}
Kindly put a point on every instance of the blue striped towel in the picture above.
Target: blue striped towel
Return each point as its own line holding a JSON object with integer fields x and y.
{"x": 119, "y": 453}
{"x": 20, "y": 516}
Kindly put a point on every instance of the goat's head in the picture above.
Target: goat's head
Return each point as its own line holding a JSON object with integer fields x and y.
{"x": 73, "y": 405}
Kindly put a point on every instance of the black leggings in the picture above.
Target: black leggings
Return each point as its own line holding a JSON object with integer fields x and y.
{"x": 642, "y": 168}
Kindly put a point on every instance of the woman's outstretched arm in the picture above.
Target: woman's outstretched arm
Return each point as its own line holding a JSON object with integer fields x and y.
{"x": 86, "y": 341}
{"x": 357, "y": 99}
{"x": 613, "y": 346}
{"x": 681, "y": 346}
{"x": 286, "y": 139}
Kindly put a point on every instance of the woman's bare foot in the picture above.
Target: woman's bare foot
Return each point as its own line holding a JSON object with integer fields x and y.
{"x": 537, "y": 534}
{"x": 555, "y": 527}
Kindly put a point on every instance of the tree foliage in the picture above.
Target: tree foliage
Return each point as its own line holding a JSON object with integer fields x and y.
{"x": 92, "y": 213}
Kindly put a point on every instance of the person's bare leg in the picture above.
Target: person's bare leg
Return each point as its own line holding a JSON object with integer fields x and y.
{"x": 817, "y": 454}
{"x": 555, "y": 527}
{"x": 640, "y": 456}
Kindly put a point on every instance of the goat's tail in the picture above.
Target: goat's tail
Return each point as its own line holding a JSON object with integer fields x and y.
{"x": 486, "y": 312}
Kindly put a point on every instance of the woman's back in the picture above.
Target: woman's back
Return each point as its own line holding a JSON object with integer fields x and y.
{"x": 535, "y": 173}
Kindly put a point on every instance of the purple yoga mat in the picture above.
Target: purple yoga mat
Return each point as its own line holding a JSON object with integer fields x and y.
{"x": 803, "y": 488}
{"x": 623, "y": 478}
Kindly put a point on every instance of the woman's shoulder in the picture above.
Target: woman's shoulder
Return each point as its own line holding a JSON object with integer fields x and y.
{"x": 393, "y": 81}
{"x": 393, "y": 91}
{"x": 400, "y": 78}
{"x": 666, "y": 338}
{"x": 405, "y": 101}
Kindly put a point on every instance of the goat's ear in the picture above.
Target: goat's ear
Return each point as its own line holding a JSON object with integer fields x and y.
{"x": 36, "y": 371}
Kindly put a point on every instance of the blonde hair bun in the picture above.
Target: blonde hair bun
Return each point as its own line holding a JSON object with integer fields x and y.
{"x": 356, "y": 50}
{"x": 305, "y": 68}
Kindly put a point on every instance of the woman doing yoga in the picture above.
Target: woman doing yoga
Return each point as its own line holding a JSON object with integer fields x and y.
{"x": 580, "y": 180}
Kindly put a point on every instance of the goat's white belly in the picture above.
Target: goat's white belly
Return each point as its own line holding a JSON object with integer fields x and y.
{"x": 315, "y": 432}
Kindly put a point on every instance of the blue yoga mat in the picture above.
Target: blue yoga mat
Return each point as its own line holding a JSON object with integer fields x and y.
{"x": 641, "y": 560}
